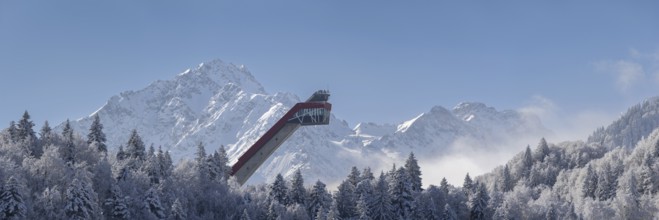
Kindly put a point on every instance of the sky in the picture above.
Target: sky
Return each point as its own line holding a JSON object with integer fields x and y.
{"x": 576, "y": 64}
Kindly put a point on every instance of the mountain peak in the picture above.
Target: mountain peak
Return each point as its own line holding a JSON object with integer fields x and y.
{"x": 223, "y": 73}
{"x": 471, "y": 107}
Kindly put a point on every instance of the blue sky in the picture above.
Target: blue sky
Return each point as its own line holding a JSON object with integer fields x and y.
{"x": 385, "y": 61}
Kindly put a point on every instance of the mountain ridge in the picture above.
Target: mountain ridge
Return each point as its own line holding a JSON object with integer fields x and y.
{"x": 222, "y": 104}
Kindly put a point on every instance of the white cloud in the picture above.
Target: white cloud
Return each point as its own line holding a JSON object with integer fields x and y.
{"x": 640, "y": 71}
{"x": 540, "y": 106}
{"x": 467, "y": 155}
{"x": 566, "y": 125}
{"x": 627, "y": 73}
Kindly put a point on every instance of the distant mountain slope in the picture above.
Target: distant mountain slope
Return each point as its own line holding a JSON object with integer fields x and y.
{"x": 612, "y": 175}
{"x": 434, "y": 133}
{"x": 220, "y": 103}
{"x": 639, "y": 121}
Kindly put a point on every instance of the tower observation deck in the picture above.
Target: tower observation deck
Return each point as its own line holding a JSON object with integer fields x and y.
{"x": 314, "y": 111}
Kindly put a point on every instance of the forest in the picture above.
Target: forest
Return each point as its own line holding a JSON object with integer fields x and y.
{"x": 65, "y": 175}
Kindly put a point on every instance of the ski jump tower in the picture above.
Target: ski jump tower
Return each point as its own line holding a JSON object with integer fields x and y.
{"x": 315, "y": 111}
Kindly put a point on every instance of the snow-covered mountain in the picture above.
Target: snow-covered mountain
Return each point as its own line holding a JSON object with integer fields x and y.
{"x": 220, "y": 103}
{"x": 436, "y": 132}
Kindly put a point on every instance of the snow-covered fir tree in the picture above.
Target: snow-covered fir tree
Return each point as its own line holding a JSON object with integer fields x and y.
{"x": 46, "y": 134}
{"x": 178, "y": 212}
{"x": 354, "y": 177}
{"x": 25, "y": 129}
{"x": 152, "y": 205}
{"x": 319, "y": 198}
{"x": 12, "y": 204}
{"x": 68, "y": 151}
{"x": 12, "y": 131}
{"x": 468, "y": 185}
{"x": 96, "y": 135}
{"x": 402, "y": 194}
{"x": 478, "y": 202}
{"x": 116, "y": 203}
{"x": 279, "y": 190}
{"x": 81, "y": 200}
{"x": 367, "y": 174}
{"x": 363, "y": 212}
{"x": 135, "y": 148}
{"x": 297, "y": 193}
{"x": 346, "y": 200}
{"x": 414, "y": 171}
{"x": 380, "y": 203}
{"x": 590, "y": 183}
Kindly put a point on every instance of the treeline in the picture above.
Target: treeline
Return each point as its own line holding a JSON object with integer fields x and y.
{"x": 66, "y": 176}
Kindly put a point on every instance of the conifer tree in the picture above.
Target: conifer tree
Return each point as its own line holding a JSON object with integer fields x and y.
{"x": 468, "y": 185}
{"x": 333, "y": 213}
{"x": 628, "y": 199}
{"x": 273, "y": 213}
{"x": 121, "y": 154}
{"x": 320, "y": 214}
{"x": 606, "y": 184}
{"x": 527, "y": 162}
{"x": 152, "y": 203}
{"x": 214, "y": 166}
{"x": 49, "y": 204}
{"x": 165, "y": 162}
{"x": 646, "y": 183}
{"x": 45, "y": 134}
{"x": 279, "y": 190}
{"x": 402, "y": 199}
{"x": 151, "y": 152}
{"x": 67, "y": 132}
{"x": 297, "y": 193}
{"x": 152, "y": 168}
{"x": 346, "y": 200}
{"x": 590, "y": 183}
{"x": 135, "y": 147}
{"x": 380, "y": 205}
{"x": 96, "y": 135}
{"x": 478, "y": 202}
{"x": 12, "y": 205}
{"x": 223, "y": 160}
{"x": 68, "y": 151}
{"x": 448, "y": 213}
{"x": 505, "y": 181}
{"x": 354, "y": 177}
{"x": 367, "y": 174}
{"x": 13, "y": 131}
{"x": 431, "y": 210}
{"x": 117, "y": 204}
{"x": 542, "y": 150}
{"x": 25, "y": 128}
{"x": 319, "y": 198}
{"x": 200, "y": 156}
{"x": 364, "y": 189}
{"x": 443, "y": 186}
{"x": 178, "y": 211}
{"x": 80, "y": 200}
{"x": 362, "y": 209}
{"x": 414, "y": 171}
